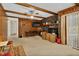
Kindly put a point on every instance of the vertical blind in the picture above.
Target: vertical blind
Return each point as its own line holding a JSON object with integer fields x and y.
{"x": 72, "y": 29}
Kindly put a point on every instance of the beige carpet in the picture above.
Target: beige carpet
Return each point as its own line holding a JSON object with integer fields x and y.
{"x": 36, "y": 46}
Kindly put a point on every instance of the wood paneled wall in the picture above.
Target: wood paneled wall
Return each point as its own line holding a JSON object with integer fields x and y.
{"x": 3, "y": 25}
{"x": 69, "y": 10}
{"x": 25, "y": 25}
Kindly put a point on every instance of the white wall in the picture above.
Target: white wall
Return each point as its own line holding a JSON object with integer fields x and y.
{"x": 12, "y": 27}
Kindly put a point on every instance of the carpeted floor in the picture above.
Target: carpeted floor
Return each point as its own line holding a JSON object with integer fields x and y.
{"x": 36, "y": 46}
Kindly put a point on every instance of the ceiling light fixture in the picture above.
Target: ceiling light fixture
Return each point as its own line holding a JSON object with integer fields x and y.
{"x": 32, "y": 17}
{"x": 32, "y": 12}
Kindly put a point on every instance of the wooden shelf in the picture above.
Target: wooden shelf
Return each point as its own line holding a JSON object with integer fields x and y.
{"x": 45, "y": 25}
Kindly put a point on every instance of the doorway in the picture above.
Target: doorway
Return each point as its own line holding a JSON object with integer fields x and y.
{"x": 12, "y": 27}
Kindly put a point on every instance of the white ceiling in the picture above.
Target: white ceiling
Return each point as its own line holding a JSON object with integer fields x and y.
{"x": 22, "y": 16}
{"x": 54, "y": 7}
{"x": 22, "y": 9}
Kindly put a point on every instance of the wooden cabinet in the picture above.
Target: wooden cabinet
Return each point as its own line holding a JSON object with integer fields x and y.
{"x": 3, "y": 25}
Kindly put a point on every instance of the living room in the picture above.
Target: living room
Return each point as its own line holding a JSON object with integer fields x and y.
{"x": 37, "y": 26}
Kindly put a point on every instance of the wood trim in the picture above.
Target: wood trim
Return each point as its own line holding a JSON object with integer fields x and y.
{"x": 37, "y": 8}
{"x": 77, "y": 4}
{"x": 69, "y": 10}
{"x": 21, "y": 18}
{"x": 3, "y": 10}
{"x": 12, "y": 16}
{"x": 23, "y": 14}
{"x": 65, "y": 30}
{"x": 18, "y": 27}
{"x": 15, "y": 17}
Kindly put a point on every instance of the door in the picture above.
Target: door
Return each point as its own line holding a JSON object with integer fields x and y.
{"x": 72, "y": 30}
{"x": 12, "y": 27}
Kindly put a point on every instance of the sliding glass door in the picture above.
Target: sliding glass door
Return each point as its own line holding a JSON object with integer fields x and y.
{"x": 72, "y": 24}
